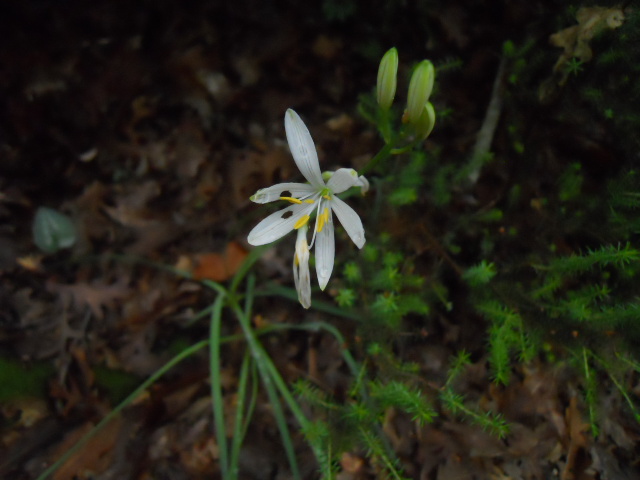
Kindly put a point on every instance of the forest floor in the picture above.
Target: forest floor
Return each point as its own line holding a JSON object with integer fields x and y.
{"x": 150, "y": 124}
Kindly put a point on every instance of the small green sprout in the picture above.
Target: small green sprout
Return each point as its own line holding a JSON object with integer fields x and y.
{"x": 352, "y": 272}
{"x": 346, "y": 297}
{"x": 386, "y": 303}
{"x": 480, "y": 274}
{"x": 574, "y": 66}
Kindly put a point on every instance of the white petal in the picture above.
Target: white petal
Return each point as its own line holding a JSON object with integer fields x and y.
{"x": 325, "y": 252}
{"x": 363, "y": 183}
{"x": 322, "y": 203}
{"x": 343, "y": 179}
{"x": 302, "y": 148}
{"x": 349, "y": 220}
{"x": 278, "y": 224}
{"x": 301, "y": 274}
{"x": 270, "y": 194}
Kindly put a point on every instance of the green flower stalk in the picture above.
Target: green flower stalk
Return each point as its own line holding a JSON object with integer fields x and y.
{"x": 420, "y": 88}
{"x": 426, "y": 122}
{"x": 387, "y": 79}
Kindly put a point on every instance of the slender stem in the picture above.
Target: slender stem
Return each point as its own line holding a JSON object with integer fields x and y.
{"x": 405, "y": 149}
{"x": 481, "y": 149}
{"x": 383, "y": 154}
{"x": 384, "y": 124}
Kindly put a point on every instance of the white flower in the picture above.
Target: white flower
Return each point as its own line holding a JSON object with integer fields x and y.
{"x": 301, "y": 275}
{"x": 306, "y": 198}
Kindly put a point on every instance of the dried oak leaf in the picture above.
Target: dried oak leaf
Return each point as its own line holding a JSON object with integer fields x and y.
{"x": 95, "y": 295}
{"x": 88, "y": 208}
{"x": 214, "y": 266}
{"x": 132, "y": 201}
{"x": 252, "y": 170}
{"x": 152, "y": 228}
{"x": 575, "y": 39}
{"x": 351, "y": 463}
{"x": 95, "y": 456}
{"x": 577, "y": 429}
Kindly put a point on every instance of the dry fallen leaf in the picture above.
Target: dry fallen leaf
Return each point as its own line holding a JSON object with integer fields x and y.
{"x": 132, "y": 208}
{"x": 591, "y": 21}
{"x": 578, "y": 439}
{"x": 215, "y": 266}
{"x": 95, "y": 296}
{"x": 575, "y": 39}
{"x": 94, "y": 457}
{"x": 251, "y": 170}
{"x": 30, "y": 262}
{"x": 351, "y": 463}
{"x": 26, "y": 411}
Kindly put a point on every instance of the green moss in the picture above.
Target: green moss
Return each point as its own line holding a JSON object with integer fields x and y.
{"x": 117, "y": 383}
{"x": 18, "y": 380}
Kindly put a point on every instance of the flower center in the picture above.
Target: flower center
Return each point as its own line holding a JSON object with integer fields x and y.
{"x": 326, "y": 193}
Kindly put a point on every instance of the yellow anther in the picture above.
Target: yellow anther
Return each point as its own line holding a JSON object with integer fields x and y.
{"x": 302, "y": 221}
{"x": 327, "y": 197}
{"x": 291, "y": 199}
{"x": 323, "y": 218}
{"x": 309, "y": 200}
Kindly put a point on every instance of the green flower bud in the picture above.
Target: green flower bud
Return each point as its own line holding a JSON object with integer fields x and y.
{"x": 53, "y": 230}
{"x": 387, "y": 79}
{"x": 426, "y": 122}
{"x": 420, "y": 88}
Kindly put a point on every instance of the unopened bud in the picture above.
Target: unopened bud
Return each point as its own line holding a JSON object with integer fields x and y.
{"x": 420, "y": 88}
{"x": 426, "y": 122}
{"x": 387, "y": 79}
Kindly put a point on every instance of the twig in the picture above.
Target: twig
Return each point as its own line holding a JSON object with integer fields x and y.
{"x": 488, "y": 129}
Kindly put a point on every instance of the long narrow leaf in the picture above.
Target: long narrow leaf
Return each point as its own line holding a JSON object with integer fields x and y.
{"x": 215, "y": 368}
{"x": 242, "y": 418}
{"x": 263, "y": 362}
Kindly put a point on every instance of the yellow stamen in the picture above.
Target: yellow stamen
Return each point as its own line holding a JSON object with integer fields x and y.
{"x": 323, "y": 218}
{"x": 309, "y": 200}
{"x": 327, "y": 197}
{"x": 291, "y": 199}
{"x": 302, "y": 221}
